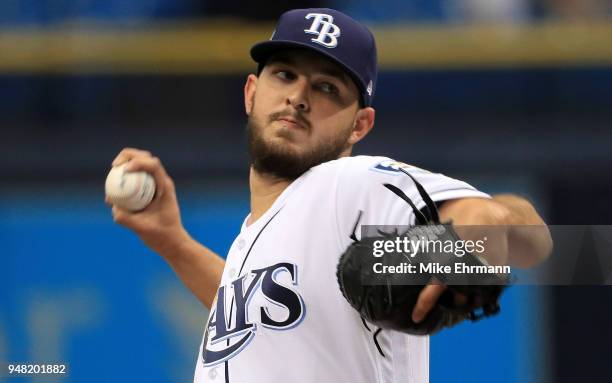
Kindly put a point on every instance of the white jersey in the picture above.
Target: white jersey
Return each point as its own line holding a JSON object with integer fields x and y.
{"x": 279, "y": 315}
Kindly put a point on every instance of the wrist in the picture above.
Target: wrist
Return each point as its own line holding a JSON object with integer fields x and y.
{"x": 171, "y": 244}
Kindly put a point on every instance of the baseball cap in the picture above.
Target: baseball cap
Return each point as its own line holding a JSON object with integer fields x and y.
{"x": 331, "y": 33}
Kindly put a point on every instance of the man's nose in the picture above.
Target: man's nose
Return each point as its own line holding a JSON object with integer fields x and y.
{"x": 299, "y": 96}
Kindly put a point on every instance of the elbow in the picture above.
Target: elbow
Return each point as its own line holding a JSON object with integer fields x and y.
{"x": 543, "y": 246}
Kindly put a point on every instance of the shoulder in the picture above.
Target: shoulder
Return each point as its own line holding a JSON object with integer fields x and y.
{"x": 362, "y": 170}
{"x": 362, "y": 164}
{"x": 366, "y": 175}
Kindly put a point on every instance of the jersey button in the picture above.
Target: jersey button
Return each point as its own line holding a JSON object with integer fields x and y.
{"x": 212, "y": 374}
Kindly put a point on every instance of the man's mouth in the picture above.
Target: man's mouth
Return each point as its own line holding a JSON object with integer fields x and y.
{"x": 291, "y": 122}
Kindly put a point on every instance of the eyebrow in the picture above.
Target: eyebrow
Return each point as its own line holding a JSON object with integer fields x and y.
{"x": 326, "y": 70}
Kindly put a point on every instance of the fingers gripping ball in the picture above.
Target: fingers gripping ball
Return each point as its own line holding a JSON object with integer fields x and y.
{"x": 132, "y": 191}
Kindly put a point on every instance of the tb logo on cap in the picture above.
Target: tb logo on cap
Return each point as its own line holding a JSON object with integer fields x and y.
{"x": 323, "y": 26}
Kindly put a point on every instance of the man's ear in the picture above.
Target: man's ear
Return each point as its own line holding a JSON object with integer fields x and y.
{"x": 249, "y": 93}
{"x": 364, "y": 122}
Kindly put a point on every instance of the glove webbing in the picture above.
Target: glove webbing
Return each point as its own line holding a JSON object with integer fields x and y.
{"x": 434, "y": 217}
{"x": 432, "y": 209}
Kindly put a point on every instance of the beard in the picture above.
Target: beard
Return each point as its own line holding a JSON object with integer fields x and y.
{"x": 283, "y": 162}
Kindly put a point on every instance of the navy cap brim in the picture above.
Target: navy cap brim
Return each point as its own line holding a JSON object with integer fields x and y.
{"x": 260, "y": 52}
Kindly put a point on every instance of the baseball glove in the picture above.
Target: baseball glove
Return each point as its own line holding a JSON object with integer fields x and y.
{"x": 388, "y": 299}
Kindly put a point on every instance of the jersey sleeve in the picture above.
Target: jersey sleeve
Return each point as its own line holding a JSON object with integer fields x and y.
{"x": 361, "y": 188}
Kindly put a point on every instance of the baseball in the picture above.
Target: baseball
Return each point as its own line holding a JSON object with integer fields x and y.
{"x": 132, "y": 191}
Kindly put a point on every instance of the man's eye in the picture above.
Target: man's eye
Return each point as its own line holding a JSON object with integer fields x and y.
{"x": 328, "y": 88}
{"x": 285, "y": 75}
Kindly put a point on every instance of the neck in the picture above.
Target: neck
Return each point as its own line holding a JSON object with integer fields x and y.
{"x": 265, "y": 189}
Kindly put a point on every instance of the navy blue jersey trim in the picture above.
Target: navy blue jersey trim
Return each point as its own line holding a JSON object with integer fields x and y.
{"x": 255, "y": 240}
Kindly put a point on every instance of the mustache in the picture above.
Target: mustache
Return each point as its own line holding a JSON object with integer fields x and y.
{"x": 295, "y": 116}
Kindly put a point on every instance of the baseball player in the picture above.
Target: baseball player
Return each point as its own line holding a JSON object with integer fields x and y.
{"x": 276, "y": 313}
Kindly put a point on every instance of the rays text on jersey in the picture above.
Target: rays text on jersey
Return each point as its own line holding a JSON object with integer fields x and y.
{"x": 228, "y": 332}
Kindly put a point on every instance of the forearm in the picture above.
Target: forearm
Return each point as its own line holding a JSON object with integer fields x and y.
{"x": 198, "y": 267}
{"x": 517, "y": 234}
{"x": 159, "y": 227}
